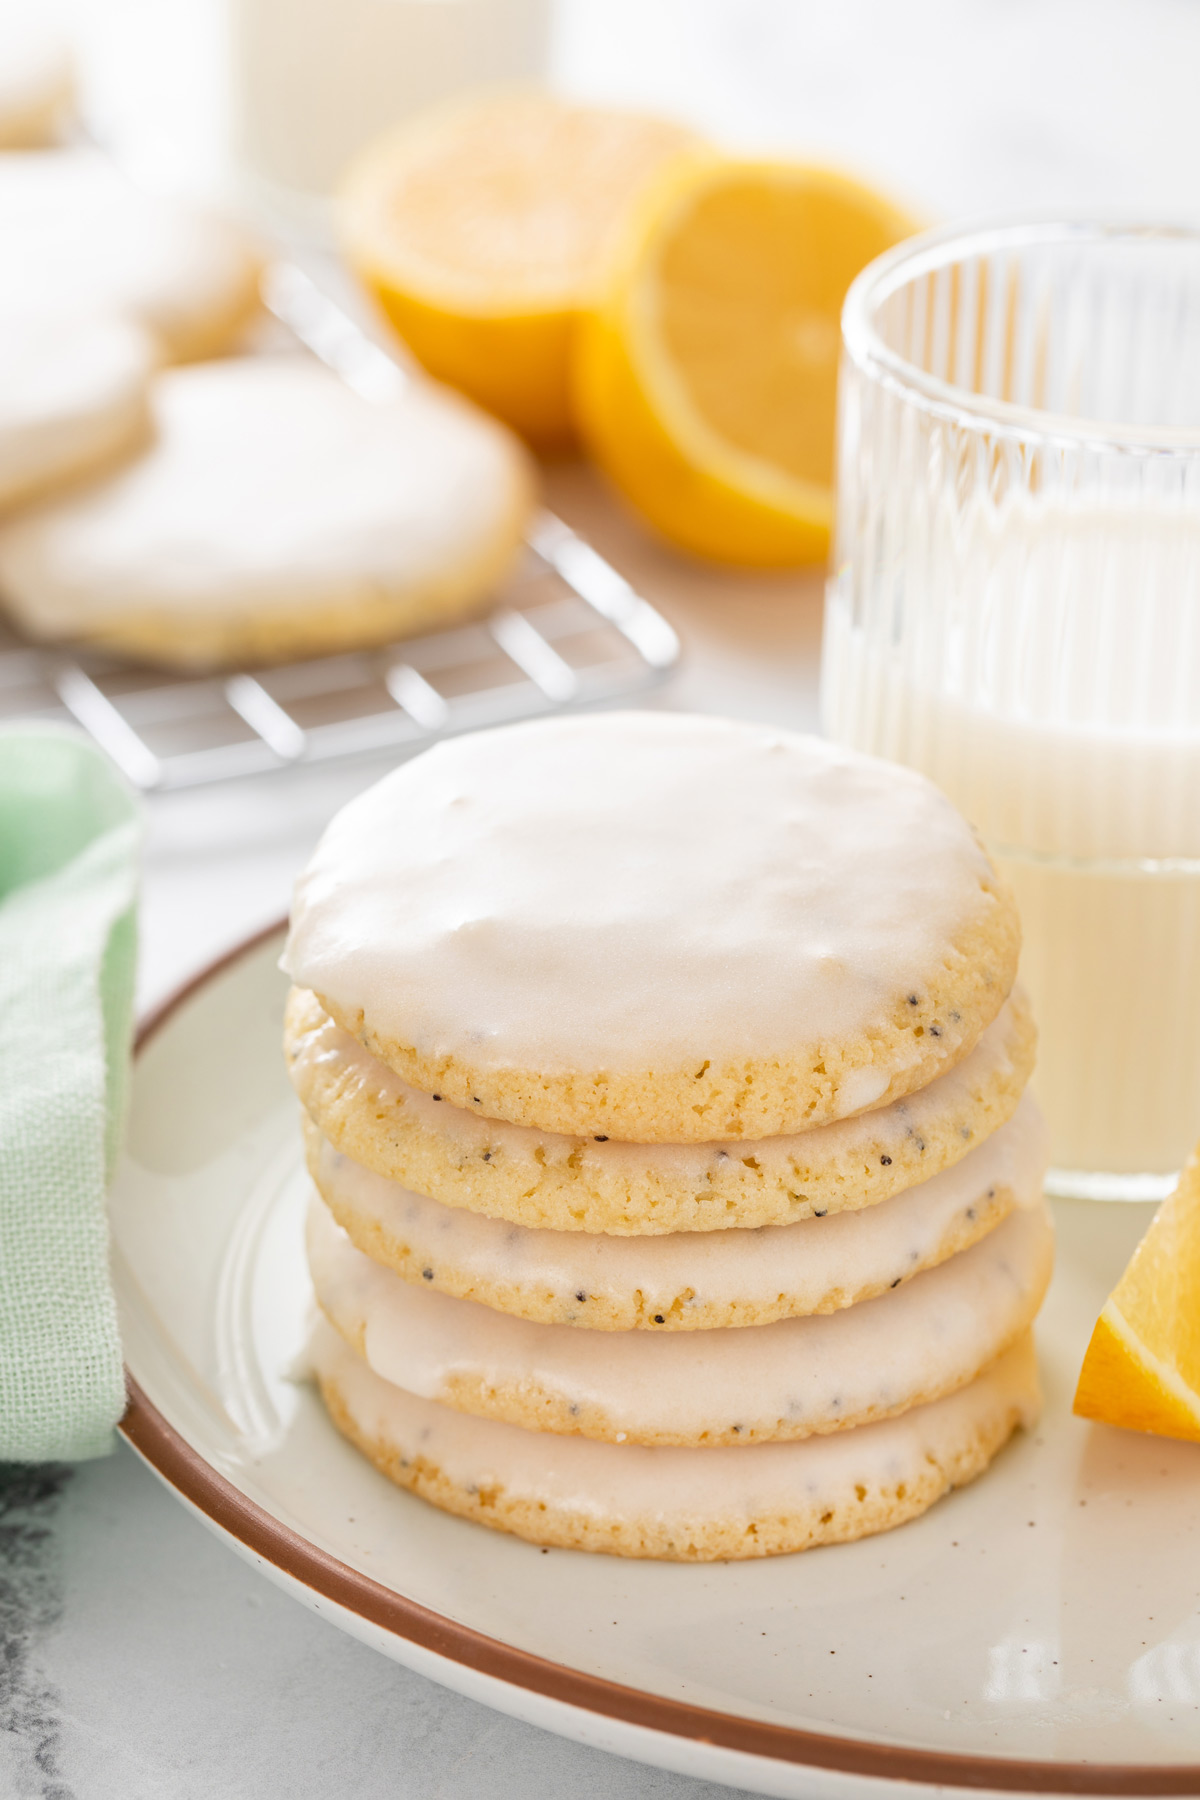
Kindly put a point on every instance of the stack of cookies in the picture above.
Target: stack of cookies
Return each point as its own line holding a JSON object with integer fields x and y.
{"x": 676, "y": 1191}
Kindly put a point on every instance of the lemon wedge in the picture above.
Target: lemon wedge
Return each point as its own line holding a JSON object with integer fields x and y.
{"x": 1142, "y": 1368}
{"x": 483, "y": 228}
{"x": 706, "y": 380}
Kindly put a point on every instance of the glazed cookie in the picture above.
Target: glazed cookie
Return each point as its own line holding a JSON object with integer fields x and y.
{"x": 678, "y": 1505}
{"x": 545, "y": 1180}
{"x": 36, "y": 76}
{"x": 74, "y": 396}
{"x": 79, "y": 238}
{"x": 796, "y": 1378}
{"x": 656, "y": 927}
{"x": 324, "y": 522}
{"x": 688, "y": 1281}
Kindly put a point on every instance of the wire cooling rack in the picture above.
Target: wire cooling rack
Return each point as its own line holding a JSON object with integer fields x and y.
{"x": 568, "y": 631}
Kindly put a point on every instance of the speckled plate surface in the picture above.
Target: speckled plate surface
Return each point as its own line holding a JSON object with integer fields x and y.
{"x": 1038, "y": 1632}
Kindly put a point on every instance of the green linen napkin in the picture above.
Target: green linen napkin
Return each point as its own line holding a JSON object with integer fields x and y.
{"x": 69, "y": 836}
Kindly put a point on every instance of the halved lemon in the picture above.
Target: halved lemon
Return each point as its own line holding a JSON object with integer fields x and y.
{"x": 1142, "y": 1368}
{"x": 706, "y": 380}
{"x": 483, "y": 228}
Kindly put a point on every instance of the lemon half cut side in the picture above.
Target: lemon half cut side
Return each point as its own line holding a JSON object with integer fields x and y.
{"x": 482, "y": 228}
{"x": 706, "y": 377}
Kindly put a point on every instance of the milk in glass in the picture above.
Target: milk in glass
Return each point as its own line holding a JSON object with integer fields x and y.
{"x": 1055, "y": 697}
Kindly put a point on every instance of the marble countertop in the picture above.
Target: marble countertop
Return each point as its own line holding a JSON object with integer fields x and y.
{"x": 141, "y": 1660}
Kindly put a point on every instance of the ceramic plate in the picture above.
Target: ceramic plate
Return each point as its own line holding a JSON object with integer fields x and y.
{"x": 1037, "y": 1632}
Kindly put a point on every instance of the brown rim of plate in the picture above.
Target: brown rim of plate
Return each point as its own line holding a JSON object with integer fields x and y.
{"x": 219, "y": 1501}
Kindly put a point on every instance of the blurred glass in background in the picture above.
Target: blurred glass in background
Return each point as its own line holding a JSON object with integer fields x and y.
{"x": 962, "y": 106}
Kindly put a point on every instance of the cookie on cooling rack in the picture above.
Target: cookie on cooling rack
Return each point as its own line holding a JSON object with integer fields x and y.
{"x": 74, "y": 397}
{"x": 276, "y": 514}
{"x": 36, "y": 75}
{"x": 80, "y": 238}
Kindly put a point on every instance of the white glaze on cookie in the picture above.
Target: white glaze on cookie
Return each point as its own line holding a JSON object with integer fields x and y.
{"x": 36, "y": 75}
{"x": 687, "y": 1280}
{"x": 504, "y": 1171}
{"x": 79, "y": 237}
{"x": 646, "y": 1497}
{"x": 272, "y": 493}
{"x": 635, "y": 892}
{"x": 74, "y": 393}
{"x": 789, "y": 1379}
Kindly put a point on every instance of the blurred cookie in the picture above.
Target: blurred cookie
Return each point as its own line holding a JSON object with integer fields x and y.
{"x": 277, "y": 514}
{"x": 74, "y": 395}
{"x": 80, "y": 238}
{"x": 36, "y": 76}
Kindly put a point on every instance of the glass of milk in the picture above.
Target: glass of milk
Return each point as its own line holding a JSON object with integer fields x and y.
{"x": 1014, "y": 608}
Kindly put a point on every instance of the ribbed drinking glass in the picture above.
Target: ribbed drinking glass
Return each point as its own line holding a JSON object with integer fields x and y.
{"x": 1014, "y": 608}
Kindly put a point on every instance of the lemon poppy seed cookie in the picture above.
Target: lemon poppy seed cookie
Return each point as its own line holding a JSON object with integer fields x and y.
{"x": 792, "y": 1379}
{"x": 545, "y": 1179}
{"x": 663, "y": 1085}
{"x": 276, "y": 514}
{"x": 81, "y": 238}
{"x": 37, "y": 76}
{"x": 690, "y": 1280}
{"x": 656, "y": 927}
{"x": 74, "y": 396}
{"x": 678, "y": 1505}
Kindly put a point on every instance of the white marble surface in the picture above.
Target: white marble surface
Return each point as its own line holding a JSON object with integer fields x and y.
{"x": 143, "y": 1661}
